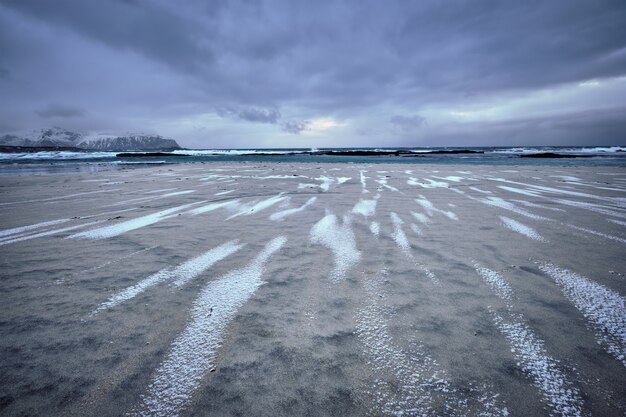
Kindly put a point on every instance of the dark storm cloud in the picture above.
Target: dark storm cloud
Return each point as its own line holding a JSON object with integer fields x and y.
{"x": 294, "y": 126}
{"x": 142, "y": 27}
{"x": 250, "y": 114}
{"x": 407, "y": 123}
{"x": 309, "y": 59}
{"x": 59, "y": 110}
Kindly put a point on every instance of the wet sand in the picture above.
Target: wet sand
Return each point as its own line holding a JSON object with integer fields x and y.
{"x": 304, "y": 289}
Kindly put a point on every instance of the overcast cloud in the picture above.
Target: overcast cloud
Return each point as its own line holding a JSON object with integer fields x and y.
{"x": 323, "y": 73}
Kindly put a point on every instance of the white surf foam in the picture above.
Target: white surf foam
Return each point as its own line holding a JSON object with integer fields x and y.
{"x": 339, "y": 238}
{"x": 126, "y": 226}
{"x": 521, "y": 228}
{"x": 282, "y": 214}
{"x": 193, "y": 352}
{"x": 601, "y": 306}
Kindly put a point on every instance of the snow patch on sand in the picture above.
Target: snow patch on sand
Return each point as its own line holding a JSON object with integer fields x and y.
{"x": 193, "y": 352}
{"x": 497, "y": 284}
{"x": 593, "y": 232}
{"x": 431, "y": 209}
{"x": 601, "y": 306}
{"x": 21, "y": 229}
{"x": 127, "y": 226}
{"x": 214, "y": 206}
{"x": 398, "y": 234}
{"x": 529, "y": 349}
{"x": 366, "y": 208}
{"x": 180, "y": 275}
{"x": 282, "y": 214}
{"x": 20, "y": 238}
{"x": 518, "y": 227}
{"x": 339, "y": 238}
{"x": 247, "y": 210}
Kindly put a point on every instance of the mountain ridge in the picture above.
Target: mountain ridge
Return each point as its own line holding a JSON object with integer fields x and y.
{"x": 58, "y": 137}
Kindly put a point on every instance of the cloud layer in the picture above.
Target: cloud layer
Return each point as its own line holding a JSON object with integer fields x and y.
{"x": 266, "y": 73}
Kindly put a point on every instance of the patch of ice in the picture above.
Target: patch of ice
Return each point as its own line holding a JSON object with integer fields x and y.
{"x": 193, "y": 352}
{"x": 375, "y": 228}
{"x": 521, "y": 228}
{"x": 339, "y": 238}
{"x": 282, "y": 214}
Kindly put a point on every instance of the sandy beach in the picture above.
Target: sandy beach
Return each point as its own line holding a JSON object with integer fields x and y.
{"x": 278, "y": 289}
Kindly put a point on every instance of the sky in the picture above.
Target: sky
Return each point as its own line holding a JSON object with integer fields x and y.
{"x": 298, "y": 74}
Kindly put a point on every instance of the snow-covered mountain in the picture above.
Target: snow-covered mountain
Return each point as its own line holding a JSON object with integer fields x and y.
{"x": 56, "y": 136}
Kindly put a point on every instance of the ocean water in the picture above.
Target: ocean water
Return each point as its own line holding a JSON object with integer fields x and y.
{"x": 87, "y": 161}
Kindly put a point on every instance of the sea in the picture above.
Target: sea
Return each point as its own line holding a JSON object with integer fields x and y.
{"x": 47, "y": 162}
